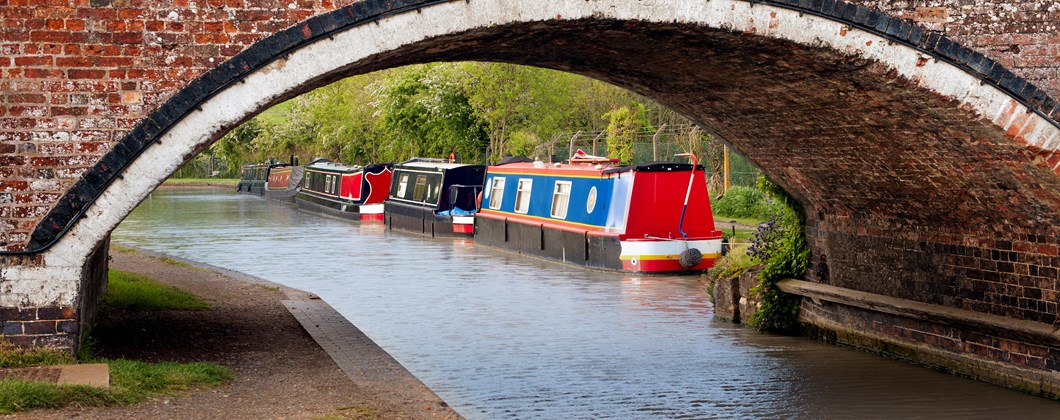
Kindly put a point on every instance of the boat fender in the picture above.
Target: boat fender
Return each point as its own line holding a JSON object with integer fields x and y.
{"x": 690, "y": 258}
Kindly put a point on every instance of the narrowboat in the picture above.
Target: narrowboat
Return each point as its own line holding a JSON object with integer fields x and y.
{"x": 347, "y": 192}
{"x": 252, "y": 180}
{"x": 651, "y": 218}
{"x": 282, "y": 180}
{"x": 434, "y": 197}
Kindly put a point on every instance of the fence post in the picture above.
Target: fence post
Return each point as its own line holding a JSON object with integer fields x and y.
{"x": 654, "y": 141}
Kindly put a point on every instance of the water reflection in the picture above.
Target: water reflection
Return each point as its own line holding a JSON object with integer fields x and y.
{"x": 498, "y": 335}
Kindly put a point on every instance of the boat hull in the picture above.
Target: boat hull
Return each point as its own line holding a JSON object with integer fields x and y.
{"x": 328, "y": 207}
{"x": 423, "y": 221}
{"x": 252, "y": 187}
{"x": 578, "y": 248}
{"x": 281, "y": 195}
{"x": 664, "y": 255}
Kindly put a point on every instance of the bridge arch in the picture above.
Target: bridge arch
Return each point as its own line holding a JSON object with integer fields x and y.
{"x": 917, "y": 160}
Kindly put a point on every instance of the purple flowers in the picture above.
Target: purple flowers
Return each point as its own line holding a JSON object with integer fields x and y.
{"x": 763, "y": 241}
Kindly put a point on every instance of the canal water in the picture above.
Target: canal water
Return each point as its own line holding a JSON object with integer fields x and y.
{"x": 501, "y": 336}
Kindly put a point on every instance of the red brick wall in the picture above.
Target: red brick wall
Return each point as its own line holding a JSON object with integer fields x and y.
{"x": 78, "y": 74}
{"x": 1023, "y": 35}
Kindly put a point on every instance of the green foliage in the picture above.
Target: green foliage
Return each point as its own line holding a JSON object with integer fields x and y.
{"x": 784, "y": 255}
{"x": 135, "y": 292}
{"x": 742, "y": 202}
{"x": 729, "y": 266}
{"x": 481, "y": 111}
{"x": 623, "y": 124}
{"x": 426, "y": 109}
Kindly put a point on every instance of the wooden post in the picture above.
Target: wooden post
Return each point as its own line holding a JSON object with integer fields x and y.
{"x": 725, "y": 171}
{"x": 595, "y": 139}
{"x": 654, "y": 145}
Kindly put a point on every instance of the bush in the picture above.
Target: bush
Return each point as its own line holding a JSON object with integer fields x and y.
{"x": 781, "y": 247}
{"x": 742, "y": 202}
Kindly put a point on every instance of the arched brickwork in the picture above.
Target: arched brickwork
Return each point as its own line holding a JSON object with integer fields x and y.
{"x": 928, "y": 171}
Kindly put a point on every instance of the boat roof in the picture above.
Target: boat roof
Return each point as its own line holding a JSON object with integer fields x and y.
{"x": 584, "y": 169}
{"x": 333, "y": 166}
{"x": 432, "y": 164}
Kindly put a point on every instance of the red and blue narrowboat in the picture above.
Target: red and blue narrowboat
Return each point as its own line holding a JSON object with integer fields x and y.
{"x": 348, "y": 192}
{"x": 651, "y": 218}
{"x": 283, "y": 180}
{"x": 252, "y": 178}
{"x": 434, "y": 197}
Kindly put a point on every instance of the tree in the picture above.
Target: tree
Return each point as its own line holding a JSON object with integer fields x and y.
{"x": 623, "y": 124}
{"x": 426, "y": 109}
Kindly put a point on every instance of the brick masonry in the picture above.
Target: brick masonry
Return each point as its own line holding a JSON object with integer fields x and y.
{"x": 928, "y": 171}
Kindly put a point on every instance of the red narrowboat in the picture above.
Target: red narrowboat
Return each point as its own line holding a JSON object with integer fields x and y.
{"x": 651, "y": 218}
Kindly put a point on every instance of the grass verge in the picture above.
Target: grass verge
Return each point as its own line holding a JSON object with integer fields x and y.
{"x": 226, "y": 182}
{"x": 131, "y": 381}
{"x": 729, "y": 266}
{"x": 131, "y": 291}
{"x": 748, "y": 221}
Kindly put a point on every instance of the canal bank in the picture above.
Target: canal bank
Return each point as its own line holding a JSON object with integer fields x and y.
{"x": 280, "y": 370}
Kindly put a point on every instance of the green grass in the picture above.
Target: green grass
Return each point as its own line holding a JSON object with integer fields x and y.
{"x": 131, "y": 382}
{"x": 749, "y": 221}
{"x": 131, "y": 291}
{"x": 122, "y": 249}
{"x": 277, "y": 114}
{"x": 231, "y": 182}
{"x": 14, "y": 357}
{"x": 140, "y": 380}
{"x": 729, "y": 266}
{"x": 18, "y": 395}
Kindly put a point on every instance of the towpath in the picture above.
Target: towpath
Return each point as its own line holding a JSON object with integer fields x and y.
{"x": 280, "y": 371}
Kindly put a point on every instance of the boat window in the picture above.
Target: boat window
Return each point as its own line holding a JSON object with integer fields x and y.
{"x": 402, "y": 185}
{"x": 419, "y": 193}
{"x": 590, "y": 201}
{"x": 327, "y": 183}
{"x": 560, "y": 199}
{"x": 522, "y": 195}
{"x": 308, "y": 176}
{"x": 497, "y": 192}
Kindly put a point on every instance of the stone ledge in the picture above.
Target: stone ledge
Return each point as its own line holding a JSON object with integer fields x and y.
{"x": 976, "y": 321}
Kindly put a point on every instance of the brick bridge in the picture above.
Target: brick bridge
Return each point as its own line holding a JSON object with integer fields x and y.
{"x": 922, "y": 138}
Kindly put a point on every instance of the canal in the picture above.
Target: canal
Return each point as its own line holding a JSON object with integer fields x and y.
{"x": 501, "y": 336}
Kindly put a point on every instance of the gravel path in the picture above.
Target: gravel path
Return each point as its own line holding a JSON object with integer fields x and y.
{"x": 280, "y": 372}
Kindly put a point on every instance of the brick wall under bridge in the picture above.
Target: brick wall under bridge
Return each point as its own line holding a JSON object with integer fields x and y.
{"x": 925, "y": 154}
